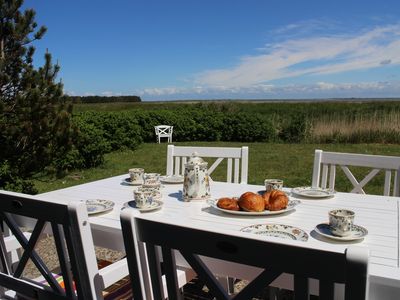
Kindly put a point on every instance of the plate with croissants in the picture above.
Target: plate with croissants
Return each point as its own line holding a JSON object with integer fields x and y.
{"x": 249, "y": 203}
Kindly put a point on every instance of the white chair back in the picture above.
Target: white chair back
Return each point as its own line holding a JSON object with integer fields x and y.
{"x": 325, "y": 163}
{"x": 237, "y": 160}
{"x": 69, "y": 225}
{"x": 349, "y": 268}
{"x": 163, "y": 131}
{"x": 137, "y": 263}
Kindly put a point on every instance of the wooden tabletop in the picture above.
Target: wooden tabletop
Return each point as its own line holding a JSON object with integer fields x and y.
{"x": 378, "y": 214}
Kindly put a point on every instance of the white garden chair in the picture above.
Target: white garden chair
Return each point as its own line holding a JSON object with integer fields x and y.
{"x": 164, "y": 131}
{"x": 137, "y": 262}
{"x": 349, "y": 268}
{"x": 325, "y": 163}
{"x": 237, "y": 160}
{"x": 69, "y": 224}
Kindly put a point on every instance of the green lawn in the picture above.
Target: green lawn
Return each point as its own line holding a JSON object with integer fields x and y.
{"x": 290, "y": 162}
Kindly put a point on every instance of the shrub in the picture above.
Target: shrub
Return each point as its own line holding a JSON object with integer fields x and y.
{"x": 121, "y": 130}
{"x": 89, "y": 147}
{"x": 11, "y": 181}
{"x": 297, "y": 130}
{"x": 244, "y": 127}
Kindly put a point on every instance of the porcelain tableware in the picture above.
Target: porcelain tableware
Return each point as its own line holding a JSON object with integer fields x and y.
{"x": 151, "y": 178}
{"x": 273, "y": 184}
{"x": 155, "y": 192}
{"x": 341, "y": 221}
{"x": 156, "y": 204}
{"x": 291, "y": 206}
{"x": 143, "y": 198}
{"x": 278, "y": 230}
{"x": 196, "y": 184}
{"x": 172, "y": 179}
{"x": 156, "y": 186}
{"x": 136, "y": 175}
{"x": 313, "y": 192}
{"x": 95, "y": 206}
{"x": 357, "y": 233}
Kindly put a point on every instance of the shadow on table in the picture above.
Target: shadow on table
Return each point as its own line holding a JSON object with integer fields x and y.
{"x": 178, "y": 195}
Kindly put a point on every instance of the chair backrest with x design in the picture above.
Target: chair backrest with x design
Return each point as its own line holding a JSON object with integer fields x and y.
{"x": 72, "y": 239}
{"x": 325, "y": 163}
{"x": 164, "y": 131}
{"x": 237, "y": 160}
{"x": 349, "y": 268}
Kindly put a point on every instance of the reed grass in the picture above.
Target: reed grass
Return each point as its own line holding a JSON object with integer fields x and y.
{"x": 380, "y": 128}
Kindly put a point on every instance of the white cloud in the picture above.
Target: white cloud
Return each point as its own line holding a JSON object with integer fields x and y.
{"x": 69, "y": 93}
{"x": 311, "y": 56}
{"x": 269, "y": 91}
{"x": 110, "y": 93}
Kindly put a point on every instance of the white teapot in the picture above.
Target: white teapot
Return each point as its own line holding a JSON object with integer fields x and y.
{"x": 196, "y": 184}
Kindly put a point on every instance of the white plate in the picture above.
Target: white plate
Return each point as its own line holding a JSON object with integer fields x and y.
{"x": 95, "y": 206}
{"x": 312, "y": 192}
{"x": 278, "y": 230}
{"x": 129, "y": 182}
{"x": 291, "y": 206}
{"x": 172, "y": 179}
{"x": 156, "y": 204}
{"x": 357, "y": 233}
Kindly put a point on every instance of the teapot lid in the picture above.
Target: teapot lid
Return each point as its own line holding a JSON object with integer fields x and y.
{"x": 195, "y": 159}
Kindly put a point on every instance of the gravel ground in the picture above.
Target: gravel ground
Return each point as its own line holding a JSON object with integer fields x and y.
{"x": 47, "y": 251}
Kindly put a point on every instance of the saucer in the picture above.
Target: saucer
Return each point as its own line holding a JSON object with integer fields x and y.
{"x": 95, "y": 206}
{"x": 286, "y": 232}
{"x": 172, "y": 179}
{"x": 312, "y": 192}
{"x": 357, "y": 233}
{"x": 128, "y": 181}
{"x": 156, "y": 204}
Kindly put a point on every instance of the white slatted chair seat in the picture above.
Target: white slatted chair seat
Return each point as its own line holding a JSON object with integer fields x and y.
{"x": 237, "y": 160}
{"x": 326, "y": 163}
{"x": 349, "y": 268}
{"x": 69, "y": 225}
{"x": 164, "y": 131}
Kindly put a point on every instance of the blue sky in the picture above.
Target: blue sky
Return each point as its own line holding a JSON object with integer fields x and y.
{"x": 221, "y": 49}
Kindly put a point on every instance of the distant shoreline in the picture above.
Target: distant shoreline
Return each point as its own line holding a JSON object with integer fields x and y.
{"x": 355, "y": 100}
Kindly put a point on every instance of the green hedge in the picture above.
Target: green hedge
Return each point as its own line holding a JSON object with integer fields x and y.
{"x": 207, "y": 125}
{"x": 102, "y": 132}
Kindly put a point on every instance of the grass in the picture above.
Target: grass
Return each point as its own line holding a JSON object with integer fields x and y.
{"x": 290, "y": 162}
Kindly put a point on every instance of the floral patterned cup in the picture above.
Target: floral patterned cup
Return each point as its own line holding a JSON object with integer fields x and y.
{"x": 341, "y": 221}
{"x": 156, "y": 186}
{"x": 151, "y": 179}
{"x": 273, "y": 184}
{"x": 155, "y": 192}
{"x": 143, "y": 198}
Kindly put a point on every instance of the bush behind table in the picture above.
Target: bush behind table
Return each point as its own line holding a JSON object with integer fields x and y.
{"x": 340, "y": 122}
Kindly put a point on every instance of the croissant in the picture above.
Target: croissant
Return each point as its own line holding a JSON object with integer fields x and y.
{"x": 275, "y": 200}
{"x": 251, "y": 202}
{"x": 228, "y": 203}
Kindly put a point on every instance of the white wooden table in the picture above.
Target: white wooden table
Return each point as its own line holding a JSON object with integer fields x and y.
{"x": 380, "y": 215}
